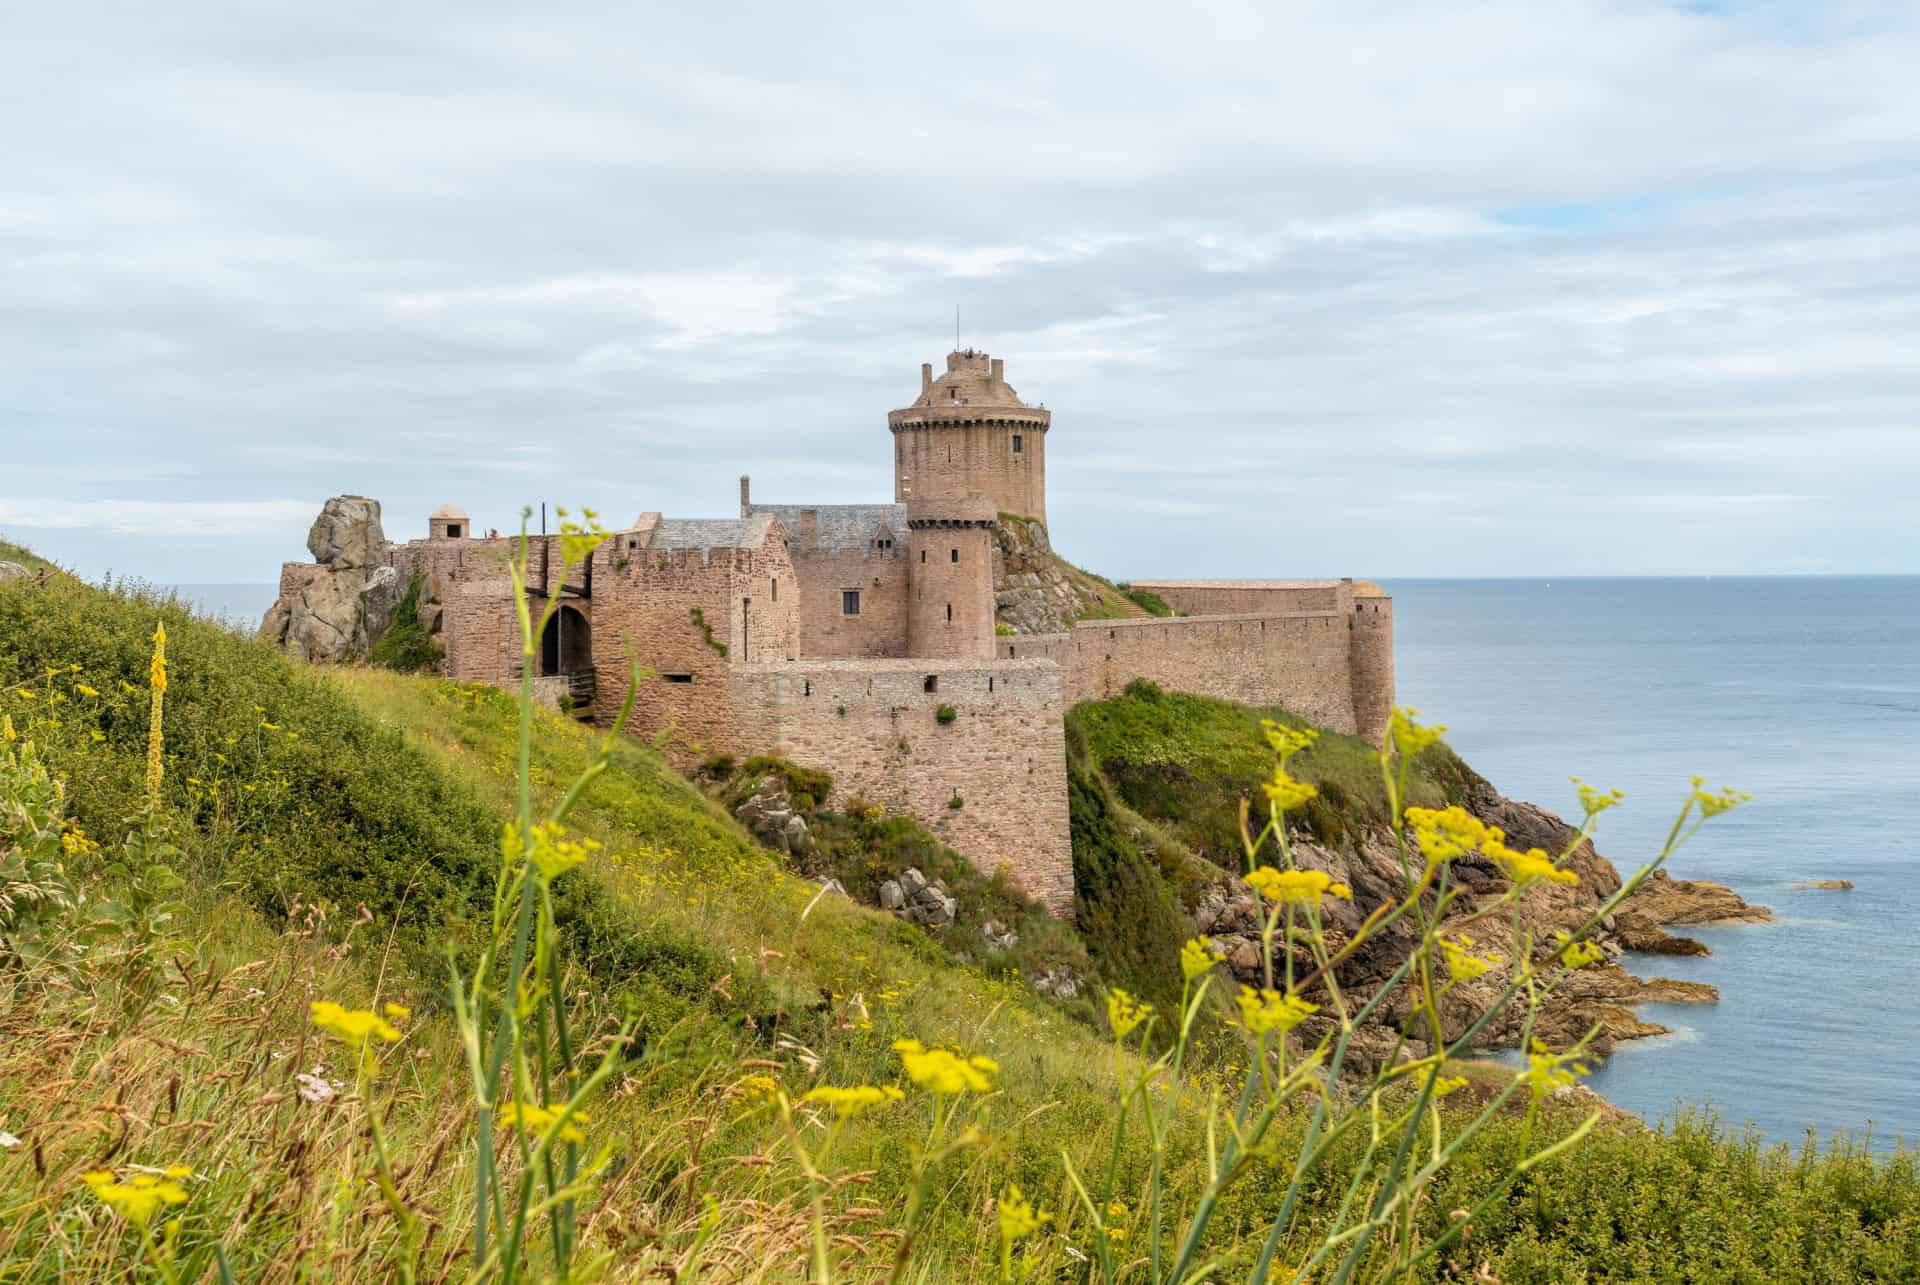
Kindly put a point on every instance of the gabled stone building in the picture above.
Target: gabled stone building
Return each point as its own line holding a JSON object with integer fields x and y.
{"x": 856, "y": 638}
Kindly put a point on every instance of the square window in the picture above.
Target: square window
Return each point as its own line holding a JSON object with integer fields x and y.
{"x": 849, "y": 602}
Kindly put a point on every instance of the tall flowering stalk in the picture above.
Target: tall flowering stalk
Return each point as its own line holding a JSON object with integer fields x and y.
{"x": 527, "y": 1074}
{"x": 156, "y": 740}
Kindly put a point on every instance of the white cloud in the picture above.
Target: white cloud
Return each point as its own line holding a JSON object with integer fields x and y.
{"x": 239, "y": 518}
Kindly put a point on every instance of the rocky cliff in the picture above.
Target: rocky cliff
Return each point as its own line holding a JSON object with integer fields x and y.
{"x": 1600, "y": 995}
{"x": 341, "y": 605}
{"x": 1038, "y": 592}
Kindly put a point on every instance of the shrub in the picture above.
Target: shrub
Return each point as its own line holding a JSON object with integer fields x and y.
{"x": 406, "y": 647}
{"x": 946, "y": 714}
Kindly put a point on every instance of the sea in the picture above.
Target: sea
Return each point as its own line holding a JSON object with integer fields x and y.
{"x": 1802, "y": 691}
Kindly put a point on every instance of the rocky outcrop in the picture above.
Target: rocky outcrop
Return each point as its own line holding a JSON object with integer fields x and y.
{"x": 13, "y": 571}
{"x": 343, "y": 605}
{"x": 1601, "y": 995}
{"x": 1034, "y": 591}
{"x": 1823, "y": 885}
{"x": 771, "y": 818}
{"x": 919, "y": 900}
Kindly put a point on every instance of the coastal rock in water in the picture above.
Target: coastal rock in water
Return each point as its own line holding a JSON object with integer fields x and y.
{"x": 1635, "y": 931}
{"x": 1825, "y": 885}
{"x": 1666, "y": 900}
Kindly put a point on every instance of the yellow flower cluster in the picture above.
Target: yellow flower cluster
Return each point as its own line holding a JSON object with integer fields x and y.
{"x": 157, "y": 682}
{"x": 1547, "y": 1071}
{"x": 1124, "y": 1012}
{"x": 944, "y": 1071}
{"x": 1018, "y": 1217}
{"x": 1462, "y": 964}
{"x": 1266, "y": 1010}
{"x": 1593, "y": 801}
{"x": 1446, "y": 1084}
{"x": 1444, "y": 834}
{"x": 755, "y": 1087}
{"x": 140, "y": 1197}
{"x": 1577, "y": 954}
{"x": 1288, "y": 741}
{"x": 534, "y": 1120}
{"x": 1713, "y": 804}
{"x": 354, "y": 1027}
{"x": 1196, "y": 957}
{"x": 1408, "y": 736}
{"x": 1284, "y": 793}
{"x": 553, "y": 853}
{"x": 1297, "y": 887}
{"x": 578, "y": 539}
{"x": 854, "y": 1099}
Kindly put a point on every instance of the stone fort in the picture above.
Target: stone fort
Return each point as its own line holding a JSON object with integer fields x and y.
{"x": 858, "y": 638}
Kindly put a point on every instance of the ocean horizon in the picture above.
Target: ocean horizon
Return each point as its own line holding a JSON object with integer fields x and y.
{"x": 1802, "y": 690}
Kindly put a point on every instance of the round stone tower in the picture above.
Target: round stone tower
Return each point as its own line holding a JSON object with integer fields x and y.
{"x": 950, "y": 577}
{"x": 970, "y": 434}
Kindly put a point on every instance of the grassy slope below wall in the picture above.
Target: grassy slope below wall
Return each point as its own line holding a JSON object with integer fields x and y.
{"x": 390, "y": 792}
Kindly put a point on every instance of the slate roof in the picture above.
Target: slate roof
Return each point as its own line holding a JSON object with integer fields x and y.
{"x": 838, "y": 526}
{"x": 709, "y": 533}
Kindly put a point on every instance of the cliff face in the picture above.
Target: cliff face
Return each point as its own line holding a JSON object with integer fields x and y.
{"x": 1598, "y": 995}
{"x": 1038, "y": 592}
{"x": 338, "y": 607}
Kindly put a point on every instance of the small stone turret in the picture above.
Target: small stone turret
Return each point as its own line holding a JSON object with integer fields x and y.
{"x": 449, "y": 522}
{"x": 950, "y": 565}
{"x": 969, "y": 433}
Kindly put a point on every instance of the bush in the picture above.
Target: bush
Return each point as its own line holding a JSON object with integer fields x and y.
{"x": 946, "y": 714}
{"x": 406, "y": 647}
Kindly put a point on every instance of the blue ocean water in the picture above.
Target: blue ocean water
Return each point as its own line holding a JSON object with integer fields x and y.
{"x": 239, "y": 604}
{"x": 1804, "y": 692}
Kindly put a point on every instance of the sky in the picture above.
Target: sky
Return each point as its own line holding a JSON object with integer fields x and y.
{"x": 1507, "y": 288}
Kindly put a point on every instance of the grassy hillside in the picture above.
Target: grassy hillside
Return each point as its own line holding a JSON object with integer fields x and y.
{"x": 298, "y": 797}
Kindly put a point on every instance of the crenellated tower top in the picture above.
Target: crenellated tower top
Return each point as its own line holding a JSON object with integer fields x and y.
{"x": 968, "y": 433}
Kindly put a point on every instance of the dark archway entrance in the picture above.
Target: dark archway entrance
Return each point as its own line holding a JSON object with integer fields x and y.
{"x": 566, "y": 644}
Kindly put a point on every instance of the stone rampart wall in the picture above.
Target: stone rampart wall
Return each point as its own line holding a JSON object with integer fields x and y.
{"x": 1297, "y": 660}
{"x": 874, "y": 724}
{"x": 1224, "y": 598}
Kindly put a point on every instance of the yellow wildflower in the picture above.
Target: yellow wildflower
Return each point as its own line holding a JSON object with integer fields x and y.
{"x": 1196, "y": 957}
{"x": 553, "y": 853}
{"x": 1018, "y": 1217}
{"x": 1284, "y": 793}
{"x": 1547, "y": 1071}
{"x": 85, "y": 690}
{"x": 1302, "y": 887}
{"x": 1407, "y": 736}
{"x": 534, "y": 1120}
{"x": 1288, "y": 741}
{"x": 1462, "y": 964}
{"x": 754, "y": 1087}
{"x": 1577, "y": 954}
{"x": 157, "y": 669}
{"x": 1124, "y": 1012}
{"x": 1446, "y": 833}
{"x": 853, "y": 1100}
{"x": 944, "y": 1071}
{"x": 1592, "y": 801}
{"x": 25, "y": 694}
{"x": 398, "y": 1012}
{"x": 353, "y": 1027}
{"x": 1712, "y": 804}
{"x": 1448, "y": 1084}
{"x": 1525, "y": 867}
{"x": 157, "y": 681}
{"x": 6, "y": 728}
{"x": 140, "y": 1197}
{"x": 1267, "y": 1010}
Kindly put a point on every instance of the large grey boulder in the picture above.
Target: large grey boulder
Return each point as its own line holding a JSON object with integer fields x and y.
{"x": 347, "y": 534}
{"x": 342, "y": 609}
{"x": 13, "y": 570}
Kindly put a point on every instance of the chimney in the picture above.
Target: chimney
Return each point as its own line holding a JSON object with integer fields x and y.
{"x": 926, "y": 377}
{"x": 999, "y": 370}
{"x": 745, "y": 504}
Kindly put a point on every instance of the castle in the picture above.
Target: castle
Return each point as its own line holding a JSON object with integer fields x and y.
{"x": 862, "y": 638}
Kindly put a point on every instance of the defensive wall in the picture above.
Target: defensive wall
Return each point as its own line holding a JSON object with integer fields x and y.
{"x": 1297, "y": 660}
{"x": 992, "y": 783}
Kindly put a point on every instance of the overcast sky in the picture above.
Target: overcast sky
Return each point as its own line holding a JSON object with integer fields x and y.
{"x": 1501, "y": 288}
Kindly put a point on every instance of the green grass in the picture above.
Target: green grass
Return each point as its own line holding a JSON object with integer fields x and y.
{"x": 1187, "y": 761}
